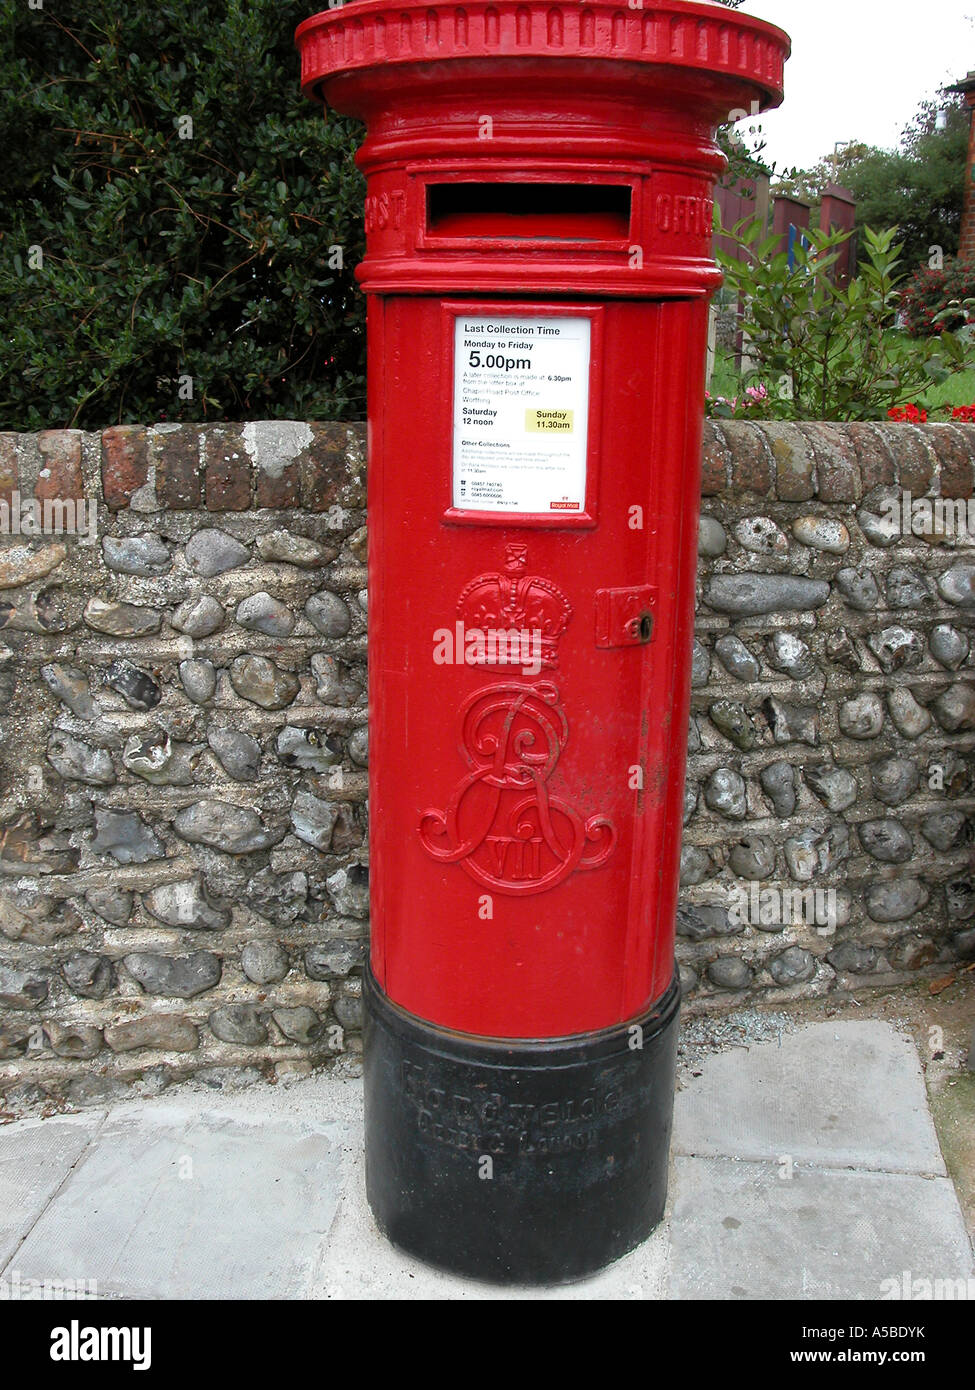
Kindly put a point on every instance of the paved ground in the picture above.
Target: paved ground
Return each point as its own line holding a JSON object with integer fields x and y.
{"x": 804, "y": 1167}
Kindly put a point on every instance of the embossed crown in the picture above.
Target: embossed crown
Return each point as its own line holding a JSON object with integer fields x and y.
{"x": 514, "y": 601}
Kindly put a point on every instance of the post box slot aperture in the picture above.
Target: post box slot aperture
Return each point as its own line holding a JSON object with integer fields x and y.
{"x": 535, "y": 211}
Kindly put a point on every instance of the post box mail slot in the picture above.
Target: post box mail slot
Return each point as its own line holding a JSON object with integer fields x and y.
{"x": 538, "y": 264}
{"x": 529, "y": 211}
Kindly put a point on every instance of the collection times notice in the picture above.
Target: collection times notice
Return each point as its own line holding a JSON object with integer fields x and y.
{"x": 521, "y": 414}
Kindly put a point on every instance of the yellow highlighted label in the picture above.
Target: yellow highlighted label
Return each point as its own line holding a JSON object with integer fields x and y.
{"x": 549, "y": 421}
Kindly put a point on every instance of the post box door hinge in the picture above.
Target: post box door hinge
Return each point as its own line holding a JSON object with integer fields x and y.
{"x": 624, "y": 617}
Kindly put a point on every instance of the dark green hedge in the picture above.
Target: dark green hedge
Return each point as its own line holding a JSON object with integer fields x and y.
{"x": 220, "y": 263}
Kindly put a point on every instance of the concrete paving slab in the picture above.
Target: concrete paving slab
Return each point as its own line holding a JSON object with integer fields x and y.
{"x": 360, "y": 1264}
{"x": 261, "y": 1193}
{"x": 172, "y": 1203}
{"x": 843, "y": 1095}
{"x": 36, "y": 1156}
{"x": 741, "y": 1230}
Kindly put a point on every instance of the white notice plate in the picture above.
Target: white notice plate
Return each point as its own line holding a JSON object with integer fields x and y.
{"x": 521, "y": 414}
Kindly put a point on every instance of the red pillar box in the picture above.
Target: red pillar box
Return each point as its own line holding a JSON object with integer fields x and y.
{"x": 539, "y": 223}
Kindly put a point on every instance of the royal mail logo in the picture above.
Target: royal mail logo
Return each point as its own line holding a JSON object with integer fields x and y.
{"x": 515, "y": 601}
{"x": 502, "y": 825}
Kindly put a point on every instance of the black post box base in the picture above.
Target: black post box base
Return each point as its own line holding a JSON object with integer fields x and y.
{"x": 518, "y": 1162}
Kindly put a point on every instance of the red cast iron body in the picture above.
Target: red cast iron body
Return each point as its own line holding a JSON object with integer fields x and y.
{"x": 526, "y": 162}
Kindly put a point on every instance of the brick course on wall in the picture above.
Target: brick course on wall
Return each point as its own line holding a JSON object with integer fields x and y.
{"x": 183, "y": 749}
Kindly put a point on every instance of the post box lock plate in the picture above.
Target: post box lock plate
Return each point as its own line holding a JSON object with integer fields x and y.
{"x": 624, "y": 617}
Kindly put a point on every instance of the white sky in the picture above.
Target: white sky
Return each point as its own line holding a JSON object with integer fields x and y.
{"x": 860, "y": 69}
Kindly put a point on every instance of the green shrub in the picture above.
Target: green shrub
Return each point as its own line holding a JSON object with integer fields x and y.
{"x": 176, "y": 218}
{"x": 934, "y": 300}
{"x": 824, "y": 351}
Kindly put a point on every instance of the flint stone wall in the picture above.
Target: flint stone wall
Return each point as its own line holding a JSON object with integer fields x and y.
{"x": 183, "y": 751}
